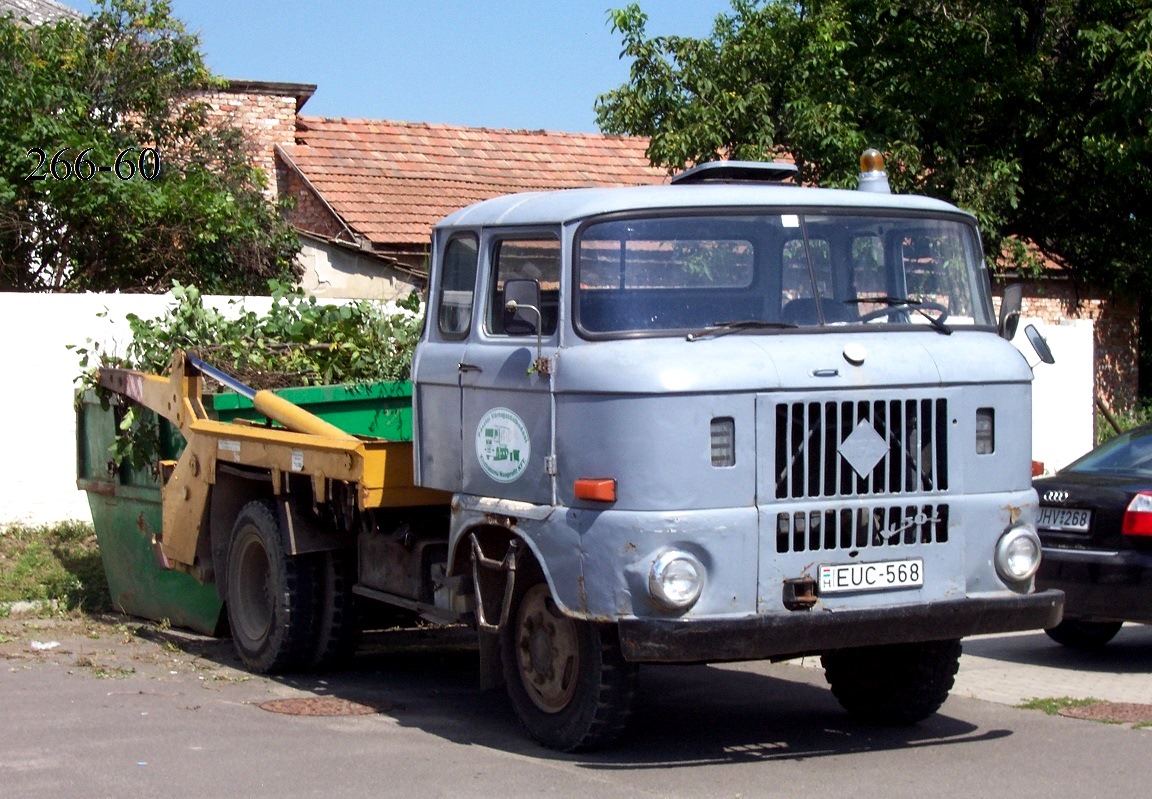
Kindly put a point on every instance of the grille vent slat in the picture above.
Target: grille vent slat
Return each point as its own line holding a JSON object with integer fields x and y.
{"x": 883, "y": 527}
{"x": 809, "y": 435}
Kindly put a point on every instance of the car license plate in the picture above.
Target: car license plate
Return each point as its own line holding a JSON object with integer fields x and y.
{"x": 1072, "y": 520}
{"x": 839, "y": 578}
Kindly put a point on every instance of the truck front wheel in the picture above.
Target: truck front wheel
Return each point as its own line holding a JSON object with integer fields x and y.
{"x": 567, "y": 679}
{"x": 894, "y": 684}
{"x": 271, "y": 596}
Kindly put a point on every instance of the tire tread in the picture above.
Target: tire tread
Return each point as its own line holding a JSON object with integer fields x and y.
{"x": 290, "y": 643}
{"x": 599, "y": 712}
{"x": 893, "y": 685}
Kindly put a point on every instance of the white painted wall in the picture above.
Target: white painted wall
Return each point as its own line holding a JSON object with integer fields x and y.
{"x": 332, "y": 271}
{"x": 37, "y": 449}
{"x": 1063, "y": 413}
{"x": 38, "y": 446}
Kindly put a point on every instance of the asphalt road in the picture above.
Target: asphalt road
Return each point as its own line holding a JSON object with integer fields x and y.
{"x": 134, "y": 712}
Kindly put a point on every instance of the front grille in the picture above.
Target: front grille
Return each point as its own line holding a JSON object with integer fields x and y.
{"x": 888, "y": 527}
{"x": 911, "y": 446}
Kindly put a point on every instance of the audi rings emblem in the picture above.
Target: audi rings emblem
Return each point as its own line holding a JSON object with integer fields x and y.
{"x": 1055, "y": 496}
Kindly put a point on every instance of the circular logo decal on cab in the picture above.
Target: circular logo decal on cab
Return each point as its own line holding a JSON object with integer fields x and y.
{"x": 502, "y": 445}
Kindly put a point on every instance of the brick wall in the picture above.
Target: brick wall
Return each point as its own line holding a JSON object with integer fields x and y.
{"x": 309, "y": 214}
{"x": 1116, "y": 332}
{"x": 266, "y": 119}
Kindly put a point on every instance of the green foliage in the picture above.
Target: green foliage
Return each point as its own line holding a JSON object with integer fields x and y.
{"x": 101, "y": 90}
{"x": 57, "y": 563}
{"x": 1127, "y": 418}
{"x": 1034, "y": 116}
{"x": 1052, "y": 705}
{"x": 299, "y": 342}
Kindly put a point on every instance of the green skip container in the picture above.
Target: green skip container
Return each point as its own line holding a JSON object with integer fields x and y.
{"x": 126, "y": 502}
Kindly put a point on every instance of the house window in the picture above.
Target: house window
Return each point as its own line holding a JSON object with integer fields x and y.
{"x": 457, "y": 285}
{"x": 531, "y": 259}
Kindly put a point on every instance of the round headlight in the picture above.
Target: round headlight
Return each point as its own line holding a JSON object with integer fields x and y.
{"x": 1018, "y": 555}
{"x": 676, "y": 580}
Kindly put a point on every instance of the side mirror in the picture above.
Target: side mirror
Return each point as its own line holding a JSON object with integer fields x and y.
{"x": 522, "y": 307}
{"x": 1039, "y": 344}
{"x": 1010, "y": 310}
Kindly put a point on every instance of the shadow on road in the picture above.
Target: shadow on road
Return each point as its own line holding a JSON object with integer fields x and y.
{"x": 702, "y": 715}
{"x": 1130, "y": 652}
{"x": 685, "y": 716}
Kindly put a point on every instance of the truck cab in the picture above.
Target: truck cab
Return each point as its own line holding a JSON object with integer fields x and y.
{"x": 728, "y": 418}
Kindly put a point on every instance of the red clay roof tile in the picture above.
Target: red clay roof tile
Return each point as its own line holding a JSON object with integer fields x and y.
{"x": 392, "y": 181}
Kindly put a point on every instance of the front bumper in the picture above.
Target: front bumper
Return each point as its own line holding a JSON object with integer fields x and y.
{"x": 1100, "y": 585}
{"x": 782, "y": 635}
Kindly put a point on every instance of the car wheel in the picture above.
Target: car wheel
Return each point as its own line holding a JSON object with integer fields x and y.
{"x": 567, "y": 679}
{"x": 894, "y": 684}
{"x": 1084, "y": 635}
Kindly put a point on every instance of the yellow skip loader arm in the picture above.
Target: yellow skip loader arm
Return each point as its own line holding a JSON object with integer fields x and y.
{"x": 380, "y": 470}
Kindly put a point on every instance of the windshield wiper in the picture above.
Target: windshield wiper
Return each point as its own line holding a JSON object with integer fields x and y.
{"x": 724, "y": 328}
{"x": 883, "y": 300}
{"x": 894, "y": 304}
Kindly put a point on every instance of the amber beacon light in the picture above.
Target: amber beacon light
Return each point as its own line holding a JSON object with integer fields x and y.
{"x": 872, "y": 175}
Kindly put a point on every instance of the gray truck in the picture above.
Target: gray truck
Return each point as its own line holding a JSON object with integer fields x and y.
{"x": 729, "y": 418}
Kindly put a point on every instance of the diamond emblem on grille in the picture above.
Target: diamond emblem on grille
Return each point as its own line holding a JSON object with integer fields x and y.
{"x": 863, "y": 448}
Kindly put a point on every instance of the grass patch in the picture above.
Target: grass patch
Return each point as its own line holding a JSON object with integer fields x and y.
{"x": 49, "y": 563}
{"x": 1052, "y": 705}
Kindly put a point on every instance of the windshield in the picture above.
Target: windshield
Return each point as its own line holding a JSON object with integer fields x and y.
{"x": 1127, "y": 453}
{"x": 688, "y": 273}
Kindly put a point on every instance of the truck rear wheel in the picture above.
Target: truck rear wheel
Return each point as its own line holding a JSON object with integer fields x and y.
{"x": 894, "y": 684}
{"x": 271, "y": 595}
{"x": 337, "y": 622}
{"x": 567, "y": 679}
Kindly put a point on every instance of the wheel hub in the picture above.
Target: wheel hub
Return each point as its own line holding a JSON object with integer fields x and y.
{"x": 256, "y": 602}
{"x": 547, "y": 648}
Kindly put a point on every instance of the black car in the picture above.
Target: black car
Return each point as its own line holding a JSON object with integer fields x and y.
{"x": 1095, "y": 526}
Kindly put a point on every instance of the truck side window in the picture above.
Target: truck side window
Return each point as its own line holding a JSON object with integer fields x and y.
{"x": 531, "y": 259}
{"x": 457, "y": 285}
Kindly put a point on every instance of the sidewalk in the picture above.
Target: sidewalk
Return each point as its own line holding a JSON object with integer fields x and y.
{"x": 1015, "y": 667}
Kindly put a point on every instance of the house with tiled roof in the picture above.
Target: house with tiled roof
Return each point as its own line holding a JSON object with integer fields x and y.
{"x": 376, "y": 188}
{"x": 365, "y": 193}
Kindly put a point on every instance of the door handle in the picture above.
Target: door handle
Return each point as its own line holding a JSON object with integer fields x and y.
{"x": 469, "y": 367}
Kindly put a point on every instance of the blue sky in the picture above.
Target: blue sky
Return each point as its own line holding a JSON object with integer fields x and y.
{"x": 500, "y": 64}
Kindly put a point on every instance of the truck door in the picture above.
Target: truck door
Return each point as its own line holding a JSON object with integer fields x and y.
{"x": 437, "y": 372}
{"x": 507, "y": 403}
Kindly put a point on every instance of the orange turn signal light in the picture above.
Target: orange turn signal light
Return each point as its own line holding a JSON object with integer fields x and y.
{"x": 596, "y": 490}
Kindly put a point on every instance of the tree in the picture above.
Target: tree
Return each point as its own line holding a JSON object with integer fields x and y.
{"x": 1034, "y": 115}
{"x": 91, "y": 109}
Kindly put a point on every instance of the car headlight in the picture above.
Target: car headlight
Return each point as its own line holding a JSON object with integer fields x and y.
{"x": 676, "y": 580}
{"x": 1018, "y": 555}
